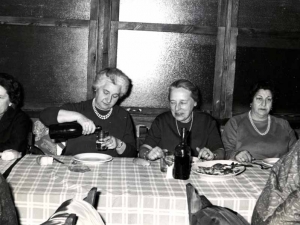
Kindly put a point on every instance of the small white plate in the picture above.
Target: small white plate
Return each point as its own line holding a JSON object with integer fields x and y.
{"x": 270, "y": 161}
{"x": 92, "y": 158}
{"x": 208, "y": 177}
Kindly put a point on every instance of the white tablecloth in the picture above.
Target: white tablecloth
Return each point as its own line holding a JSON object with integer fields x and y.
{"x": 130, "y": 194}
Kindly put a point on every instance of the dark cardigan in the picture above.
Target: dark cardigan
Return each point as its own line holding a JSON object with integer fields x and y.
{"x": 14, "y": 128}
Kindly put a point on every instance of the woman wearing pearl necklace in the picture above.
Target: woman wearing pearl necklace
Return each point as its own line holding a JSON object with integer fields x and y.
{"x": 257, "y": 134}
{"x": 109, "y": 85}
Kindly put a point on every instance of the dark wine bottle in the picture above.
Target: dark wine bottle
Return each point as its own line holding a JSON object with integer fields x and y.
{"x": 182, "y": 158}
{"x": 64, "y": 131}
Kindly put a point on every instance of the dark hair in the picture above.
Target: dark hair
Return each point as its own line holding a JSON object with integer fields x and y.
{"x": 188, "y": 85}
{"x": 12, "y": 87}
{"x": 264, "y": 85}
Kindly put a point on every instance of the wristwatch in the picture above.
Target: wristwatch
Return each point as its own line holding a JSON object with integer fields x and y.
{"x": 120, "y": 145}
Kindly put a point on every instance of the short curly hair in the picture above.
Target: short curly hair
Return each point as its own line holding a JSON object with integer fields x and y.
{"x": 12, "y": 87}
{"x": 264, "y": 85}
{"x": 116, "y": 76}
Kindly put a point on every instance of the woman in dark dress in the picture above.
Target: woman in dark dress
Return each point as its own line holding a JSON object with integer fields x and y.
{"x": 109, "y": 85}
{"x": 164, "y": 133}
{"x": 14, "y": 123}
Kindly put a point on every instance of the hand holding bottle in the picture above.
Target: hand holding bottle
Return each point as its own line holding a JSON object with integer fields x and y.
{"x": 65, "y": 116}
{"x": 88, "y": 126}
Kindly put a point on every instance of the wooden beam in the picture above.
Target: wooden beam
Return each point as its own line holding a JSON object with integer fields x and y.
{"x": 225, "y": 60}
{"x": 46, "y": 22}
{"x": 230, "y": 76}
{"x": 103, "y": 34}
{"x": 229, "y": 59}
{"x": 175, "y": 28}
{"x": 113, "y": 40}
{"x": 92, "y": 46}
{"x": 217, "y": 90}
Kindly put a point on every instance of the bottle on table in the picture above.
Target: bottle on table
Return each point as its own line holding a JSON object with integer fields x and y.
{"x": 182, "y": 158}
{"x": 64, "y": 131}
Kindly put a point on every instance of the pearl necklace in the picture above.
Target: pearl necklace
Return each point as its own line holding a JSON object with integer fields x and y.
{"x": 98, "y": 114}
{"x": 190, "y": 125}
{"x": 255, "y": 128}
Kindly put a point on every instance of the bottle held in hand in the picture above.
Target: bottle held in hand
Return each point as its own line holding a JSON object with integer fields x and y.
{"x": 64, "y": 131}
{"x": 182, "y": 158}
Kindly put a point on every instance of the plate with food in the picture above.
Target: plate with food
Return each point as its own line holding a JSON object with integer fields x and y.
{"x": 92, "y": 158}
{"x": 270, "y": 161}
{"x": 218, "y": 170}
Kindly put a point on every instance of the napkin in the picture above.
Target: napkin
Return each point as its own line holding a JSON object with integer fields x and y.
{"x": 169, "y": 174}
{"x": 44, "y": 160}
{"x": 10, "y": 154}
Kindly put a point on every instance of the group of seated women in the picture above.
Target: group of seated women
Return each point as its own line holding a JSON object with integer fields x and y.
{"x": 252, "y": 135}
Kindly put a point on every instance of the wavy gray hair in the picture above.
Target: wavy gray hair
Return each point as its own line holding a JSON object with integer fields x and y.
{"x": 116, "y": 76}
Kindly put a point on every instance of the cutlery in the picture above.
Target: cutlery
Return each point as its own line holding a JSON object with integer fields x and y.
{"x": 57, "y": 160}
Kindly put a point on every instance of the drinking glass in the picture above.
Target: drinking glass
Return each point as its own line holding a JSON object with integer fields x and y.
{"x": 100, "y": 140}
{"x": 166, "y": 160}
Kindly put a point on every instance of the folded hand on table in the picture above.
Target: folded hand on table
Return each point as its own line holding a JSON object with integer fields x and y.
{"x": 155, "y": 153}
{"x": 243, "y": 156}
{"x": 205, "y": 153}
{"x": 10, "y": 154}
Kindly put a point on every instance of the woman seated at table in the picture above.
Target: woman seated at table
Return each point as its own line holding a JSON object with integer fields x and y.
{"x": 110, "y": 85}
{"x": 14, "y": 123}
{"x": 204, "y": 138}
{"x": 257, "y": 134}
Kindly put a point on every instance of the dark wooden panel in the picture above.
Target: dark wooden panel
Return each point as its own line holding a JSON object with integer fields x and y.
{"x": 62, "y": 9}
{"x": 282, "y": 66}
{"x": 270, "y": 14}
{"x": 50, "y": 62}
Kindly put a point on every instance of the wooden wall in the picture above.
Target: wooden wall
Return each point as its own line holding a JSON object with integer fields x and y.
{"x": 55, "y": 49}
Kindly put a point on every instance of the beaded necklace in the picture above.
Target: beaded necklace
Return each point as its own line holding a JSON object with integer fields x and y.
{"x": 98, "y": 114}
{"x": 255, "y": 128}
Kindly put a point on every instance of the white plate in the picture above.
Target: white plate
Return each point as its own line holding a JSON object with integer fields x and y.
{"x": 92, "y": 158}
{"x": 208, "y": 177}
{"x": 270, "y": 161}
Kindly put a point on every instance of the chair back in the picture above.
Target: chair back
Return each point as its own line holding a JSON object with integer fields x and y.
{"x": 80, "y": 212}
{"x": 141, "y": 133}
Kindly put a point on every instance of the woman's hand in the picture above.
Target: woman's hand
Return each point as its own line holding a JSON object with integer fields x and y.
{"x": 88, "y": 126}
{"x": 10, "y": 154}
{"x": 110, "y": 142}
{"x": 155, "y": 153}
{"x": 205, "y": 153}
{"x": 243, "y": 156}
